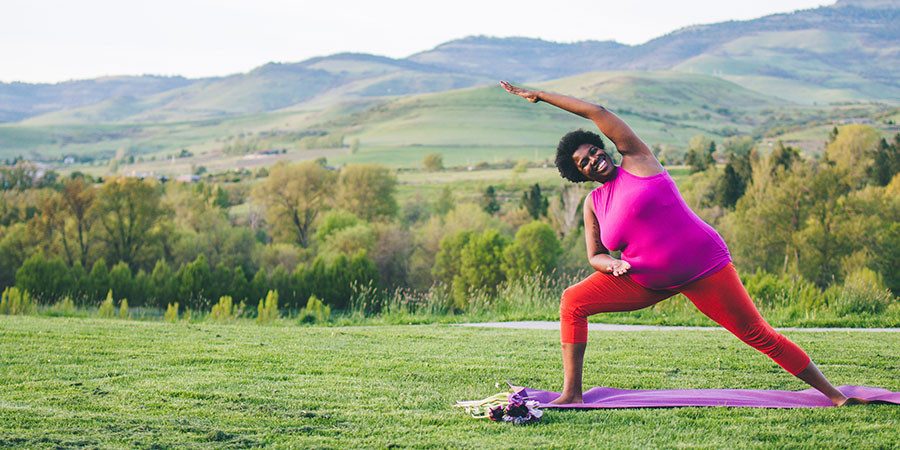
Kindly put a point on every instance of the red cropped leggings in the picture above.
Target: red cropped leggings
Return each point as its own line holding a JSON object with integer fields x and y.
{"x": 721, "y": 296}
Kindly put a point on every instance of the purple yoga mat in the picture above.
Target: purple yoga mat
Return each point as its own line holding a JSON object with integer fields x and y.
{"x": 604, "y": 397}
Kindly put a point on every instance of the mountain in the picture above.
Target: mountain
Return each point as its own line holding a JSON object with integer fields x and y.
{"x": 21, "y": 100}
{"x": 849, "y": 51}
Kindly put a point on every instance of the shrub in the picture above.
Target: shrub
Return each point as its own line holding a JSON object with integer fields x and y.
{"x": 795, "y": 292}
{"x": 15, "y": 301}
{"x": 171, "y": 314}
{"x": 225, "y": 311}
{"x": 123, "y": 309}
{"x": 107, "y": 309}
{"x": 63, "y": 308}
{"x": 863, "y": 292}
{"x": 315, "y": 311}
{"x": 267, "y": 310}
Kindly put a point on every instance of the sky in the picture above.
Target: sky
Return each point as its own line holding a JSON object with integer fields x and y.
{"x": 57, "y": 40}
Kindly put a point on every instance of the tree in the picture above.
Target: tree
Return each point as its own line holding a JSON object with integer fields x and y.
{"x": 292, "y": 196}
{"x": 130, "y": 214}
{"x": 886, "y": 161}
{"x": 481, "y": 264}
{"x": 700, "y": 153}
{"x": 433, "y": 162}
{"x": 534, "y": 202}
{"x": 444, "y": 203}
{"x": 731, "y": 187}
{"x": 367, "y": 190}
{"x": 534, "y": 250}
{"x": 565, "y": 210}
{"x": 489, "y": 201}
{"x": 853, "y": 151}
{"x": 79, "y": 196}
{"x": 47, "y": 280}
{"x": 784, "y": 156}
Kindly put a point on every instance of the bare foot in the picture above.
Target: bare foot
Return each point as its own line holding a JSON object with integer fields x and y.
{"x": 567, "y": 400}
{"x": 850, "y": 401}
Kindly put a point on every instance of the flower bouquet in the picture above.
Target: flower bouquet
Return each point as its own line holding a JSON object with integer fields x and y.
{"x": 515, "y": 407}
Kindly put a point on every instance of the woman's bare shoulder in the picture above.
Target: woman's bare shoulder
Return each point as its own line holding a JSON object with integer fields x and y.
{"x": 642, "y": 165}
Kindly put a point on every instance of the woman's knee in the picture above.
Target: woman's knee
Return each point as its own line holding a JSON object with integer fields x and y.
{"x": 570, "y": 305}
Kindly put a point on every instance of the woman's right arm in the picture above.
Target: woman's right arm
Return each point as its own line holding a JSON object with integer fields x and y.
{"x": 598, "y": 255}
{"x": 624, "y": 138}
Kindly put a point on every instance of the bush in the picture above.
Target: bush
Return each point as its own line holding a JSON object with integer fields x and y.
{"x": 795, "y": 292}
{"x": 225, "y": 311}
{"x": 315, "y": 311}
{"x": 171, "y": 314}
{"x": 63, "y": 308}
{"x": 15, "y": 301}
{"x": 123, "y": 309}
{"x": 863, "y": 292}
{"x": 267, "y": 310}
{"x": 107, "y": 309}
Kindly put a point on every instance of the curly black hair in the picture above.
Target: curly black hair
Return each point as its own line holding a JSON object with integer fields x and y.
{"x": 567, "y": 146}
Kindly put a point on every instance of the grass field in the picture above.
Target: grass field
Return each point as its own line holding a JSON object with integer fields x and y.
{"x": 68, "y": 382}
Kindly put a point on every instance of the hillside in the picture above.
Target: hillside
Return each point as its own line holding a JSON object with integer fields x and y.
{"x": 846, "y": 52}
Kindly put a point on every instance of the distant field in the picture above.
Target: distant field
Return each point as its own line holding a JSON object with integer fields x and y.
{"x": 107, "y": 383}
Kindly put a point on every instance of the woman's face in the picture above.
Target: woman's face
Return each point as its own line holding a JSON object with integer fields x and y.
{"x": 594, "y": 163}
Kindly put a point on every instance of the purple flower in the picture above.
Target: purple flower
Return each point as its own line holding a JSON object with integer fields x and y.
{"x": 496, "y": 413}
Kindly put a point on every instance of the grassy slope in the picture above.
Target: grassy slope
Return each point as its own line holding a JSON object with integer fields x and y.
{"x": 76, "y": 382}
{"x": 803, "y": 66}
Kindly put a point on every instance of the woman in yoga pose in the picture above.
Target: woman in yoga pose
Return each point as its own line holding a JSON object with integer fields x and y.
{"x": 666, "y": 249}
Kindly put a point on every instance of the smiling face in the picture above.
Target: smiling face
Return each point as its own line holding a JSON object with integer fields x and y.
{"x": 594, "y": 163}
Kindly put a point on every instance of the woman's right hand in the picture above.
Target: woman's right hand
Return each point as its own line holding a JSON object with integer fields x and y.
{"x": 531, "y": 96}
{"x": 619, "y": 267}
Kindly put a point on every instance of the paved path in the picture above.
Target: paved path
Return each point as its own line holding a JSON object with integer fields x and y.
{"x": 538, "y": 325}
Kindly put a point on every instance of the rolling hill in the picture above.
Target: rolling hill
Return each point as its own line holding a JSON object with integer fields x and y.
{"x": 849, "y": 51}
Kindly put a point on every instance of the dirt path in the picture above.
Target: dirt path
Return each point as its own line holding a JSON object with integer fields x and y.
{"x": 539, "y": 325}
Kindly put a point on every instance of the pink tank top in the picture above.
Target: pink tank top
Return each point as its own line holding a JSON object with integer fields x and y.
{"x": 665, "y": 242}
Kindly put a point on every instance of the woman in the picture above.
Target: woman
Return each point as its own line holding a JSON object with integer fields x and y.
{"x": 666, "y": 249}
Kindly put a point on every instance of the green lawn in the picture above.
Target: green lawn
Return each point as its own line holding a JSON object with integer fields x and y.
{"x": 107, "y": 383}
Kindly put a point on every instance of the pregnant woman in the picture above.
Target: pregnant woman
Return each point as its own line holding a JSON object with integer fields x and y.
{"x": 665, "y": 248}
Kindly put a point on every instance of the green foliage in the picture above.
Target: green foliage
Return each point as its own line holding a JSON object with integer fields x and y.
{"x": 433, "y": 162}
{"x": 700, "y": 153}
{"x": 534, "y": 250}
{"x": 225, "y": 310}
{"x": 130, "y": 212}
{"x": 267, "y": 310}
{"x": 171, "y": 314}
{"x": 15, "y": 301}
{"x": 863, "y": 292}
{"x": 481, "y": 262}
{"x": 123, "y": 309}
{"x": 886, "y": 161}
{"x": 783, "y": 157}
{"x": 315, "y": 311}
{"x": 63, "y": 308}
{"x": 45, "y": 279}
{"x": 853, "y": 150}
{"x": 334, "y": 221}
{"x": 368, "y": 190}
{"x": 293, "y": 195}
{"x": 194, "y": 282}
{"x": 489, "y": 201}
{"x": 444, "y": 203}
{"x": 107, "y": 309}
{"x": 534, "y": 202}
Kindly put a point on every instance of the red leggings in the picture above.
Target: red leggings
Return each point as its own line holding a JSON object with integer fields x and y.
{"x": 720, "y": 296}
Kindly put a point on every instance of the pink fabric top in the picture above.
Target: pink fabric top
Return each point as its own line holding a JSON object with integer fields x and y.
{"x": 665, "y": 242}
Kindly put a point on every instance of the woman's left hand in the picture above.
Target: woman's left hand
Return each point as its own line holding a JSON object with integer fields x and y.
{"x": 531, "y": 96}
